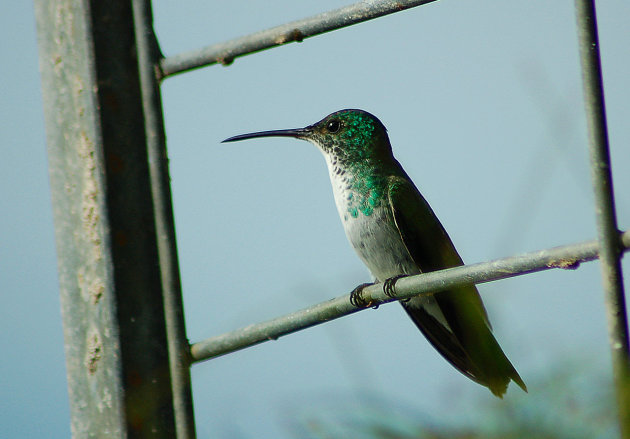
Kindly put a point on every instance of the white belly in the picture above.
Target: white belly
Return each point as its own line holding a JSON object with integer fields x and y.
{"x": 374, "y": 236}
{"x": 376, "y": 240}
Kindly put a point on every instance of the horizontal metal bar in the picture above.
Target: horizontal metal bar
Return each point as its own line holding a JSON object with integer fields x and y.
{"x": 225, "y": 53}
{"x": 567, "y": 257}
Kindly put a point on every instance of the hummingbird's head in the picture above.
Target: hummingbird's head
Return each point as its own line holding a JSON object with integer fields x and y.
{"x": 347, "y": 137}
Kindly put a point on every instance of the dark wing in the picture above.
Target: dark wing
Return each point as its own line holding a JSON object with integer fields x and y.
{"x": 456, "y": 322}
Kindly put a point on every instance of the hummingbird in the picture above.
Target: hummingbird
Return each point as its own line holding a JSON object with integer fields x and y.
{"x": 395, "y": 233}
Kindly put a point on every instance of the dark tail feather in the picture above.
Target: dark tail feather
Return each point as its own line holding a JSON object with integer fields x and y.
{"x": 469, "y": 346}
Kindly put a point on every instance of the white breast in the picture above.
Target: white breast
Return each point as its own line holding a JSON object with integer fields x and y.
{"x": 374, "y": 237}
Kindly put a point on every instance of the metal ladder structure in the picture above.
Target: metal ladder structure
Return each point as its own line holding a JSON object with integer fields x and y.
{"x": 127, "y": 354}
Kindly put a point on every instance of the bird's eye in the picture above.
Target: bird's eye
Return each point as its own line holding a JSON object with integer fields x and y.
{"x": 333, "y": 126}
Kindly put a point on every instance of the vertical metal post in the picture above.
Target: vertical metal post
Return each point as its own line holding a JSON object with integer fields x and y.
{"x": 608, "y": 235}
{"x": 111, "y": 293}
{"x": 179, "y": 349}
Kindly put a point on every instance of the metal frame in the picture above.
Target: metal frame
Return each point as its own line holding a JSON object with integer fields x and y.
{"x": 564, "y": 257}
{"x": 124, "y": 323}
{"x": 111, "y": 281}
{"x": 179, "y": 350}
{"x": 607, "y": 231}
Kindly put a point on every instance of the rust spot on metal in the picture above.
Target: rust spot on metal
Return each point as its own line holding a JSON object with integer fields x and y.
{"x": 77, "y": 85}
{"x": 565, "y": 264}
{"x": 91, "y": 286}
{"x": 293, "y": 35}
{"x": 89, "y": 201}
{"x": 297, "y": 35}
{"x": 94, "y": 350}
{"x": 96, "y": 290}
{"x": 58, "y": 65}
{"x": 225, "y": 60}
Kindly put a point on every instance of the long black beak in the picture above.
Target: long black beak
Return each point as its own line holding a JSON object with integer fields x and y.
{"x": 298, "y": 133}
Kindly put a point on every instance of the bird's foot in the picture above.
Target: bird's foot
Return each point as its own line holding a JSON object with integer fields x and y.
{"x": 357, "y": 299}
{"x": 389, "y": 287}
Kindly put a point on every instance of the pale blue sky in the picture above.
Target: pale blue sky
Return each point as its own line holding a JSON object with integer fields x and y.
{"x": 483, "y": 105}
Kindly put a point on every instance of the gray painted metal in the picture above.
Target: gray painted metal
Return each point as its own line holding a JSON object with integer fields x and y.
{"x": 179, "y": 349}
{"x": 610, "y": 246}
{"x": 225, "y": 53}
{"x": 566, "y": 257}
{"x": 113, "y": 313}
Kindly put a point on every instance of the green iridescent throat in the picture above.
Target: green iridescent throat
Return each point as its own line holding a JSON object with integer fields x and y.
{"x": 367, "y": 194}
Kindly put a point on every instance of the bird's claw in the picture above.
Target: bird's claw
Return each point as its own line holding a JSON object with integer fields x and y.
{"x": 356, "y": 297}
{"x": 389, "y": 287}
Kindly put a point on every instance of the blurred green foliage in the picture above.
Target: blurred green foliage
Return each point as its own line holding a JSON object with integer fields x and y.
{"x": 568, "y": 403}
